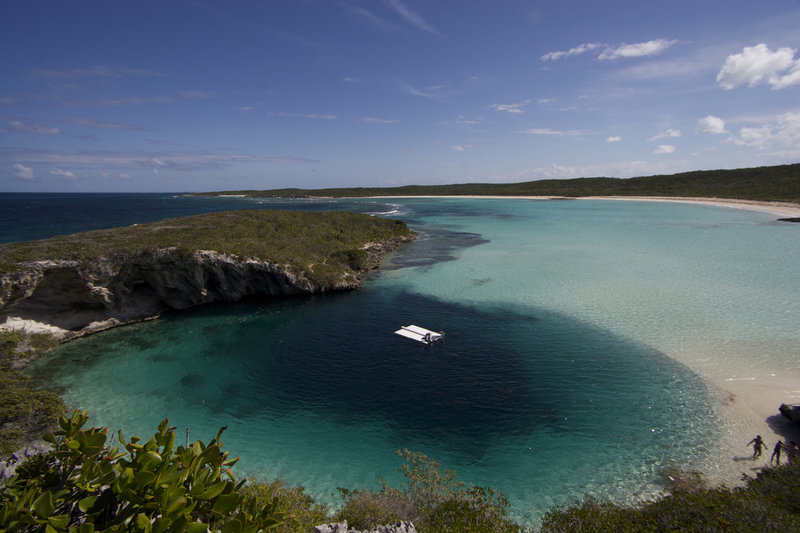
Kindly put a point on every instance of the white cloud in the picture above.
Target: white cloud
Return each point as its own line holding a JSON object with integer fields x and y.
{"x": 456, "y": 148}
{"x": 781, "y": 132}
{"x": 711, "y": 125}
{"x": 757, "y": 64}
{"x": 614, "y": 139}
{"x": 548, "y": 131}
{"x": 510, "y": 108}
{"x": 580, "y": 49}
{"x": 648, "y": 48}
{"x": 21, "y": 171}
{"x": 302, "y": 115}
{"x": 124, "y": 161}
{"x": 664, "y": 149}
{"x": 621, "y": 169}
{"x": 375, "y": 120}
{"x": 669, "y": 134}
{"x": 410, "y": 16}
{"x": 102, "y": 124}
{"x": 100, "y": 71}
{"x": 33, "y": 128}
{"x": 63, "y": 174}
{"x": 463, "y": 120}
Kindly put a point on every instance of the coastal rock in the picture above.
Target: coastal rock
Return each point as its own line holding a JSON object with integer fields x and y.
{"x": 88, "y": 296}
{"x": 341, "y": 527}
{"x": 9, "y": 466}
{"x": 792, "y": 412}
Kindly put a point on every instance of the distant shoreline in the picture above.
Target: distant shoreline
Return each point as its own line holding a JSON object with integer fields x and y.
{"x": 784, "y": 209}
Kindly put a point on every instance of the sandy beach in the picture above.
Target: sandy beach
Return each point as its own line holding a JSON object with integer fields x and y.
{"x": 781, "y": 209}
{"x": 746, "y": 398}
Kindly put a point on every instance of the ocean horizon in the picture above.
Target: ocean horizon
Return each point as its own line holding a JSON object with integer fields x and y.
{"x": 590, "y": 344}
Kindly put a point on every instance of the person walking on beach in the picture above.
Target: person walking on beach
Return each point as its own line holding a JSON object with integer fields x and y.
{"x": 776, "y": 453}
{"x": 758, "y": 444}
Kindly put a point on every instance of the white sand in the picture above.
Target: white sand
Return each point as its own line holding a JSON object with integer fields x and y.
{"x": 782, "y": 209}
{"x": 746, "y": 397}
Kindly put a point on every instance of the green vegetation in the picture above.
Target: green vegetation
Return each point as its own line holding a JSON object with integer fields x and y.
{"x": 767, "y": 503}
{"x": 775, "y": 183}
{"x": 324, "y": 247}
{"x": 25, "y": 412}
{"x": 84, "y": 484}
{"x": 434, "y": 500}
{"x": 315, "y": 244}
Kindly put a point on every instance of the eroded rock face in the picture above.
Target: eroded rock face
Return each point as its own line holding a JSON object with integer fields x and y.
{"x": 81, "y": 297}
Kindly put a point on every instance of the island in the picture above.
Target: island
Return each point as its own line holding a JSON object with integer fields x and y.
{"x": 71, "y": 285}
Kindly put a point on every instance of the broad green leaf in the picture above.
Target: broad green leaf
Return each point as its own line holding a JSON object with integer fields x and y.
{"x": 176, "y": 507}
{"x": 86, "y": 503}
{"x": 149, "y": 460}
{"x": 142, "y": 521}
{"x": 226, "y": 503}
{"x": 232, "y": 526}
{"x": 143, "y": 478}
{"x": 83, "y": 528}
{"x": 59, "y": 522}
{"x": 43, "y": 506}
{"x": 196, "y": 527}
{"x": 213, "y": 491}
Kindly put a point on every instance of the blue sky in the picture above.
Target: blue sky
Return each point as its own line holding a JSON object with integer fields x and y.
{"x": 195, "y": 95}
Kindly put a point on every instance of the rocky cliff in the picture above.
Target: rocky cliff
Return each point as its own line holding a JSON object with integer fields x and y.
{"x": 88, "y": 294}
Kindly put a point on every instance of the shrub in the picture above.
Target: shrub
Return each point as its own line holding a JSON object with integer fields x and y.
{"x": 25, "y": 413}
{"x": 84, "y": 485}
{"x": 433, "y": 499}
{"x": 301, "y": 510}
{"x": 767, "y": 503}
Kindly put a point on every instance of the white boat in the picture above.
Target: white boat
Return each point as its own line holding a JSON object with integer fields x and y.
{"x": 419, "y": 334}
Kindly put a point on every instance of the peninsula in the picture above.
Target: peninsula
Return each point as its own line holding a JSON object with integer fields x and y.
{"x": 76, "y": 284}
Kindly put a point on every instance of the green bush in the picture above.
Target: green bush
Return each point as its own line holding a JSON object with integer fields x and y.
{"x": 301, "y": 510}
{"x": 433, "y": 499}
{"x": 84, "y": 485}
{"x": 25, "y": 412}
{"x": 767, "y": 503}
{"x": 8, "y": 345}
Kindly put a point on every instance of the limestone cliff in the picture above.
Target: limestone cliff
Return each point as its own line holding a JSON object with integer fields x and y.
{"x": 89, "y": 294}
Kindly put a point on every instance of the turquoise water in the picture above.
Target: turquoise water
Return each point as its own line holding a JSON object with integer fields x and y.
{"x": 566, "y": 368}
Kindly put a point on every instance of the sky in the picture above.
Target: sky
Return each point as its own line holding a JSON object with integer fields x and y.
{"x": 201, "y": 95}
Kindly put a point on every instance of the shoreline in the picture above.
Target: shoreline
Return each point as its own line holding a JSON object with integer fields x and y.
{"x": 783, "y": 209}
{"x": 745, "y": 399}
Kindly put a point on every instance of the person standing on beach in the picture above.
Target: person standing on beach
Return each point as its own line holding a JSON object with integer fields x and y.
{"x": 758, "y": 444}
{"x": 776, "y": 453}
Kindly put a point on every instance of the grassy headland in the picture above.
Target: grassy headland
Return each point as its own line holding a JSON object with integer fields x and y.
{"x": 769, "y": 184}
{"x": 298, "y": 239}
{"x": 322, "y": 247}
